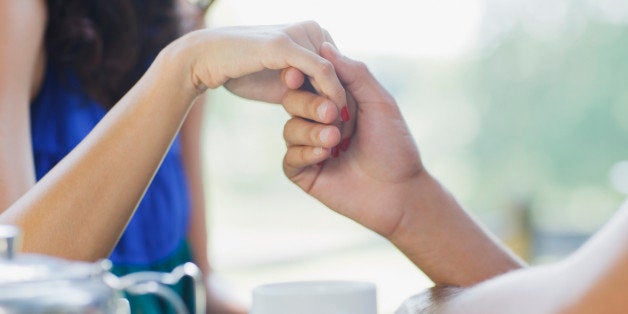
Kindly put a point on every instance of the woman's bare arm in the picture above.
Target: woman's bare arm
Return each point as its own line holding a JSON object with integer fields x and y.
{"x": 80, "y": 208}
{"x": 22, "y": 25}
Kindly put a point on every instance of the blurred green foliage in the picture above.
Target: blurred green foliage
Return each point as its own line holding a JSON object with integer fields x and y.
{"x": 554, "y": 120}
{"x": 545, "y": 121}
{"x": 538, "y": 119}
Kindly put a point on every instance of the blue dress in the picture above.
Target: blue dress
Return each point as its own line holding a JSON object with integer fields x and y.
{"x": 61, "y": 116}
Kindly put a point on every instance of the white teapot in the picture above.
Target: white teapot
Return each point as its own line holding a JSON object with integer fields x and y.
{"x": 31, "y": 283}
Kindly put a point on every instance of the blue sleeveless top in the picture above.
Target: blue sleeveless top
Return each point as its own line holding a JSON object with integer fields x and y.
{"x": 61, "y": 116}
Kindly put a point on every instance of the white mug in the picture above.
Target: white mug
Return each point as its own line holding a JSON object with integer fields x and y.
{"x": 315, "y": 297}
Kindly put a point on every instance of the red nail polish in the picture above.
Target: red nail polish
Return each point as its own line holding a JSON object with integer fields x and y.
{"x": 335, "y": 152}
{"x": 320, "y": 164}
{"x": 344, "y": 144}
{"x": 344, "y": 114}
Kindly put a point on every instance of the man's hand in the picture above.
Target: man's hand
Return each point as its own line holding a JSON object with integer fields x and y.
{"x": 363, "y": 176}
{"x": 376, "y": 178}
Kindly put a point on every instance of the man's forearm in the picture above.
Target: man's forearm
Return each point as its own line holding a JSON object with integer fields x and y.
{"x": 447, "y": 244}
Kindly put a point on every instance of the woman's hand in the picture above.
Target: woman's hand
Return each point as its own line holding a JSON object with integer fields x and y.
{"x": 248, "y": 60}
{"x": 266, "y": 85}
{"x": 363, "y": 177}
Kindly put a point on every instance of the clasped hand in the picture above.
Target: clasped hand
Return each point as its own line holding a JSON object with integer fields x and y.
{"x": 247, "y": 59}
{"x": 364, "y": 176}
{"x": 352, "y": 151}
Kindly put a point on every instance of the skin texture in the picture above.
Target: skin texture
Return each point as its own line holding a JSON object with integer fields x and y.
{"x": 80, "y": 208}
{"x": 592, "y": 280}
{"x": 20, "y": 74}
{"x": 380, "y": 182}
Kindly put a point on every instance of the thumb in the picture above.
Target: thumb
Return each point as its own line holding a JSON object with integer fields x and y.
{"x": 356, "y": 77}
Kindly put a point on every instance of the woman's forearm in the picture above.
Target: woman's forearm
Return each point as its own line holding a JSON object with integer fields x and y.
{"x": 447, "y": 244}
{"x": 81, "y": 207}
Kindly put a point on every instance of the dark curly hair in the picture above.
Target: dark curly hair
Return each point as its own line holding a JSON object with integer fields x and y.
{"x": 108, "y": 43}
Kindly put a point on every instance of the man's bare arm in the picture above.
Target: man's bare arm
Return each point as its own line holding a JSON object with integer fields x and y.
{"x": 592, "y": 280}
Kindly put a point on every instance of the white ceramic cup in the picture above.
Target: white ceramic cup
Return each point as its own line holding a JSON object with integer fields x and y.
{"x": 315, "y": 297}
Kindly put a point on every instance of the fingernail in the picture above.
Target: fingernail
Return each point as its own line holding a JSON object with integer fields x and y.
{"x": 344, "y": 144}
{"x": 322, "y": 109}
{"x": 344, "y": 114}
{"x": 318, "y": 151}
{"x": 335, "y": 152}
{"x": 324, "y": 135}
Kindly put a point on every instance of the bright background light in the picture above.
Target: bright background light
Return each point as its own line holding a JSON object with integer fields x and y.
{"x": 518, "y": 106}
{"x": 434, "y": 28}
{"x": 297, "y": 238}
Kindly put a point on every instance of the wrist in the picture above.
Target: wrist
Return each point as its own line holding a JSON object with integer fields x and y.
{"x": 437, "y": 235}
{"x": 424, "y": 195}
{"x": 178, "y": 61}
{"x": 425, "y": 230}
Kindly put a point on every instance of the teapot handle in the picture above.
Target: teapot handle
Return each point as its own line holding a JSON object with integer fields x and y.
{"x": 150, "y": 282}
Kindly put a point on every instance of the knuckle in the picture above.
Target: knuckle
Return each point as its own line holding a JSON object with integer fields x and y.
{"x": 287, "y": 128}
{"x": 286, "y": 100}
{"x": 325, "y": 68}
{"x": 340, "y": 94}
{"x": 292, "y": 157}
{"x": 285, "y": 132}
{"x": 303, "y": 154}
{"x": 310, "y": 24}
{"x": 293, "y": 28}
{"x": 280, "y": 41}
{"x": 360, "y": 67}
{"x": 286, "y": 164}
{"x": 327, "y": 34}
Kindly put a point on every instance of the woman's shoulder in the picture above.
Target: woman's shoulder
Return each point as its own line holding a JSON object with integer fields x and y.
{"x": 23, "y": 25}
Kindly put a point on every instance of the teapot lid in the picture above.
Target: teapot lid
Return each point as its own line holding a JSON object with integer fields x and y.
{"x": 23, "y": 268}
{"x": 35, "y": 268}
